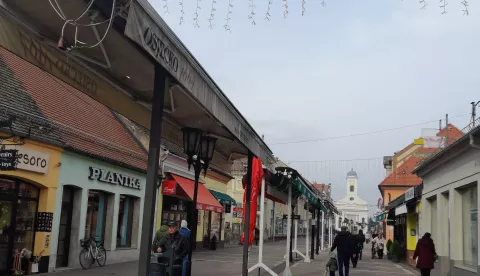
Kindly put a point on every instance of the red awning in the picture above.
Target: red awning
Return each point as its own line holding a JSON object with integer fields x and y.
{"x": 205, "y": 200}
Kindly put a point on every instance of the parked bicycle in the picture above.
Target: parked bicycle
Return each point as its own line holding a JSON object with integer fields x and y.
{"x": 92, "y": 250}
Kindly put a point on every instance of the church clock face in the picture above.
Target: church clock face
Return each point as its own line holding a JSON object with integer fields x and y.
{"x": 352, "y": 199}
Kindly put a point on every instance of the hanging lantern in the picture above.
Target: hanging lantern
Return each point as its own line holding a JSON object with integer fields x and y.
{"x": 191, "y": 143}
{"x": 207, "y": 148}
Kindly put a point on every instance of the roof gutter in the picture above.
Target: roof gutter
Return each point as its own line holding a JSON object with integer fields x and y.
{"x": 472, "y": 142}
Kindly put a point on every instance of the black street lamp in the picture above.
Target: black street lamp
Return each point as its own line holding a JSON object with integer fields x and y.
{"x": 199, "y": 150}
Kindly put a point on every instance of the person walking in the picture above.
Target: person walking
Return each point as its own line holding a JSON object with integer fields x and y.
{"x": 344, "y": 243}
{"x": 184, "y": 231}
{"x": 332, "y": 265}
{"x": 379, "y": 246}
{"x": 426, "y": 254}
{"x": 360, "y": 243}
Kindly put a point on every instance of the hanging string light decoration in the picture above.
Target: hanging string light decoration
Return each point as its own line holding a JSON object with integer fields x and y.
{"x": 324, "y": 4}
{"x": 269, "y": 6}
{"x": 182, "y": 12}
{"x": 251, "y": 16}
{"x": 229, "y": 14}
{"x": 443, "y": 5}
{"x": 424, "y": 4}
{"x": 465, "y": 10}
{"x": 304, "y": 2}
{"x": 212, "y": 14}
{"x": 285, "y": 12}
{"x": 165, "y": 6}
{"x": 195, "y": 15}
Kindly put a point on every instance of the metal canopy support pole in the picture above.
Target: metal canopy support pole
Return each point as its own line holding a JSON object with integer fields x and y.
{"x": 330, "y": 230}
{"x": 159, "y": 88}
{"x": 193, "y": 235}
{"x": 323, "y": 231}
{"x": 260, "y": 263}
{"x": 312, "y": 241}
{"x": 287, "y": 271}
{"x": 295, "y": 241}
{"x": 318, "y": 232}
{"x": 307, "y": 257}
{"x": 246, "y": 227}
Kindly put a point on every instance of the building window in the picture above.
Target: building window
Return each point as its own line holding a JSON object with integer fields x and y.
{"x": 433, "y": 217}
{"x": 96, "y": 215}
{"x": 125, "y": 219}
{"x": 352, "y": 188}
{"x": 470, "y": 226}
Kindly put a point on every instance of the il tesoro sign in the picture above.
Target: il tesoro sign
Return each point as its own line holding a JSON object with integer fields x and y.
{"x": 114, "y": 178}
{"x": 32, "y": 160}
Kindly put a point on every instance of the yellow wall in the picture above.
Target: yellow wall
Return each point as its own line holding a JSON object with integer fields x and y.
{"x": 213, "y": 184}
{"x": 47, "y": 183}
{"x": 411, "y": 225}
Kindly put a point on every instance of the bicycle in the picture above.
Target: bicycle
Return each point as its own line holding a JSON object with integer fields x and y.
{"x": 92, "y": 250}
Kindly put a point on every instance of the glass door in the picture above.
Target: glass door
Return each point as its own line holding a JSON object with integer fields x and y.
{"x": 5, "y": 234}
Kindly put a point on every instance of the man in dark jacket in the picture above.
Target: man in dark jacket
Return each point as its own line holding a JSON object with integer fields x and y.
{"x": 344, "y": 244}
{"x": 361, "y": 242}
{"x": 174, "y": 240}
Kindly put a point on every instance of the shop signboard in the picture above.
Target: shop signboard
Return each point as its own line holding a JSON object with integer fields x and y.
{"x": 32, "y": 160}
{"x": 44, "y": 222}
{"x": 169, "y": 187}
{"x": 410, "y": 194}
{"x": 8, "y": 160}
{"x": 114, "y": 178}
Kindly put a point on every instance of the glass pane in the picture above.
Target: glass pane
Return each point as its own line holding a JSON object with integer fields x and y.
{"x": 96, "y": 211}
{"x": 125, "y": 217}
{"x": 5, "y": 222}
{"x": 7, "y": 186}
{"x": 28, "y": 190}
{"x": 25, "y": 223}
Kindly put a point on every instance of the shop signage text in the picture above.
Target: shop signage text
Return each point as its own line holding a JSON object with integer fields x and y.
{"x": 8, "y": 160}
{"x": 410, "y": 194}
{"x": 205, "y": 207}
{"x": 32, "y": 160}
{"x": 114, "y": 178}
{"x": 160, "y": 49}
{"x": 169, "y": 187}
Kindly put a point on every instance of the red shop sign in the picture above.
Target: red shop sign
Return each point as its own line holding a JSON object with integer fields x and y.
{"x": 169, "y": 187}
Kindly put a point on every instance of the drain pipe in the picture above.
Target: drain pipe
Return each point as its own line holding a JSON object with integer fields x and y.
{"x": 472, "y": 143}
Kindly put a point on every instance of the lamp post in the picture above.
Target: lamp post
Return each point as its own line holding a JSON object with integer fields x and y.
{"x": 199, "y": 150}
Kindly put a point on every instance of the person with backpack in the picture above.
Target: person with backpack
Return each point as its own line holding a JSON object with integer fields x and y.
{"x": 332, "y": 265}
{"x": 344, "y": 243}
{"x": 360, "y": 242}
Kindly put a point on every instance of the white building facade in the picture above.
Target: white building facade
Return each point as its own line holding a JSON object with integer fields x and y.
{"x": 352, "y": 207}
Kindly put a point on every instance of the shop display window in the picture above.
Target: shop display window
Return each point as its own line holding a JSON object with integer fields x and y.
{"x": 125, "y": 221}
{"x": 96, "y": 215}
{"x": 7, "y": 187}
{"x": 27, "y": 190}
{"x": 215, "y": 225}
{"x": 174, "y": 210}
{"x": 25, "y": 224}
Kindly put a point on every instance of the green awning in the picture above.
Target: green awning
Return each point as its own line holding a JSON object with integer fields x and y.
{"x": 381, "y": 217}
{"x": 302, "y": 188}
{"x": 222, "y": 198}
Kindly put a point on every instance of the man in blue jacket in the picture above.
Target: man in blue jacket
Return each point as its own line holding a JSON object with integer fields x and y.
{"x": 184, "y": 231}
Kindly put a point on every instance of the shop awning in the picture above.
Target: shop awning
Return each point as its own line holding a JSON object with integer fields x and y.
{"x": 205, "y": 200}
{"x": 400, "y": 210}
{"x": 222, "y": 198}
{"x": 381, "y": 217}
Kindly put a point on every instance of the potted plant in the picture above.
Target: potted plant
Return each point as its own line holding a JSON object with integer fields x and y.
{"x": 395, "y": 252}
{"x": 389, "y": 248}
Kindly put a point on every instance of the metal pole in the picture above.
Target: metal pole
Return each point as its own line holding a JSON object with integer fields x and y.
{"x": 159, "y": 88}
{"x": 312, "y": 243}
{"x": 262, "y": 215}
{"x": 446, "y": 129}
{"x": 291, "y": 233}
{"x": 307, "y": 236}
{"x": 323, "y": 231}
{"x": 318, "y": 232}
{"x": 287, "y": 271}
{"x": 246, "y": 227}
{"x": 193, "y": 235}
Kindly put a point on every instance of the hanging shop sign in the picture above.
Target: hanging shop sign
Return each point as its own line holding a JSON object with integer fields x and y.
{"x": 43, "y": 222}
{"x": 410, "y": 194}
{"x": 8, "y": 160}
{"x": 32, "y": 160}
{"x": 114, "y": 178}
{"x": 169, "y": 187}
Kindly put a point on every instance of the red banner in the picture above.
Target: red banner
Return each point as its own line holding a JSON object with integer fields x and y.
{"x": 257, "y": 174}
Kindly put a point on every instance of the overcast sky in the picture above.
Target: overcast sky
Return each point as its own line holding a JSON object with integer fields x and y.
{"x": 350, "y": 67}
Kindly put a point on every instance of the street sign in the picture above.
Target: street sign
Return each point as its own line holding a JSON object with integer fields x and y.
{"x": 8, "y": 159}
{"x": 410, "y": 194}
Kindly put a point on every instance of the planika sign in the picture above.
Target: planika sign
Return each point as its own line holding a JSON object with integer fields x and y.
{"x": 114, "y": 178}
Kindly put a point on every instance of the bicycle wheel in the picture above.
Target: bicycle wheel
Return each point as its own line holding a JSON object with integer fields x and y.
{"x": 85, "y": 258}
{"x": 101, "y": 256}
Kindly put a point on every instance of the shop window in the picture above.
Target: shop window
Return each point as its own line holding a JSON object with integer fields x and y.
{"x": 27, "y": 190}
{"x": 25, "y": 223}
{"x": 470, "y": 225}
{"x": 352, "y": 188}
{"x": 7, "y": 187}
{"x": 96, "y": 215}
{"x": 125, "y": 221}
{"x": 433, "y": 217}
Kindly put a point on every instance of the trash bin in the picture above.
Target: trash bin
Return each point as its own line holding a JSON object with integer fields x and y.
{"x": 158, "y": 269}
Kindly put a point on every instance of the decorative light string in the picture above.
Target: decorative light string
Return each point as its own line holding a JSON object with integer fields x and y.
{"x": 251, "y": 16}
{"x": 324, "y": 4}
{"x": 443, "y": 5}
{"x": 303, "y": 6}
{"x": 182, "y": 12}
{"x": 165, "y": 6}
{"x": 269, "y": 6}
{"x": 424, "y": 4}
{"x": 195, "y": 18}
{"x": 229, "y": 14}
{"x": 465, "y": 10}
{"x": 285, "y": 12}
{"x": 212, "y": 14}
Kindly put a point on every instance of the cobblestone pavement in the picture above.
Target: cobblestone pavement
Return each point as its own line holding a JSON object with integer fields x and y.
{"x": 226, "y": 261}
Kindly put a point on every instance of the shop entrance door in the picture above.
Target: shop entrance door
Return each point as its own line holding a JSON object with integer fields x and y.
{"x": 64, "y": 230}
{"x": 6, "y": 236}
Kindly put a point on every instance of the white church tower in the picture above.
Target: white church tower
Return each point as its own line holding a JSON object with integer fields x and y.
{"x": 352, "y": 207}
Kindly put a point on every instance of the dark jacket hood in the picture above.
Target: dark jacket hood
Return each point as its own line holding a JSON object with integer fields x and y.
{"x": 344, "y": 233}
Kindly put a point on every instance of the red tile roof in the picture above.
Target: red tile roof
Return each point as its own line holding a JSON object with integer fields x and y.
{"x": 453, "y": 133}
{"x": 321, "y": 187}
{"x": 96, "y": 129}
{"x": 403, "y": 175}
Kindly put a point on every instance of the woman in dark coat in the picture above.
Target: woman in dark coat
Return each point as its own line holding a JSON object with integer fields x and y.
{"x": 426, "y": 254}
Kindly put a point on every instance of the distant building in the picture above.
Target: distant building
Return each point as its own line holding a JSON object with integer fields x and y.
{"x": 352, "y": 207}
